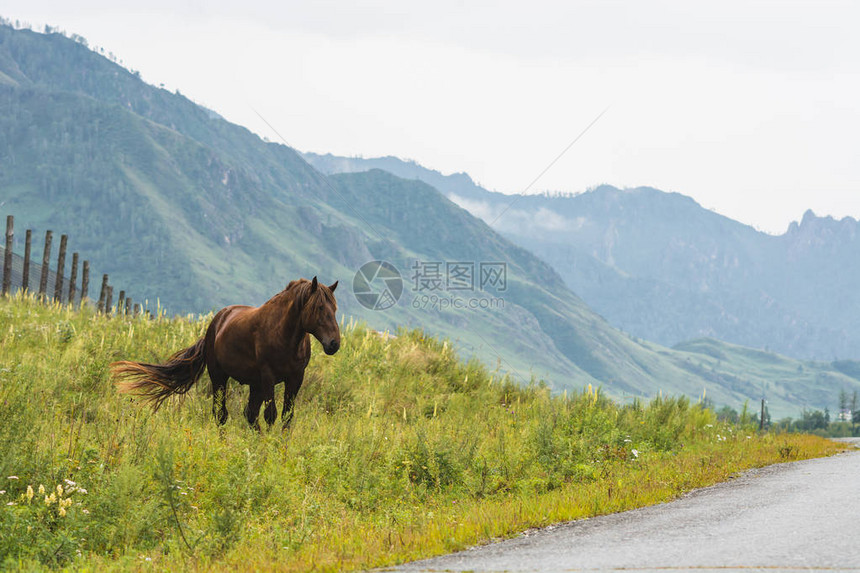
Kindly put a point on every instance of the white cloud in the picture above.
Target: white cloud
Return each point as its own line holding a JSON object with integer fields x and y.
{"x": 504, "y": 217}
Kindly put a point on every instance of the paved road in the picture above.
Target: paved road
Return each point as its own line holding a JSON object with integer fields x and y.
{"x": 801, "y": 516}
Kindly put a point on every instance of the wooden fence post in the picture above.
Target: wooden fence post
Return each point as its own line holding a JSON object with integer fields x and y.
{"x": 125, "y": 305}
{"x": 46, "y": 263}
{"x": 761, "y": 419}
{"x": 103, "y": 294}
{"x": 109, "y": 301}
{"x": 85, "y": 281}
{"x": 25, "y": 279}
{"x": 73, "y": 278}
{"x": 7, "y": 258}
{"x": 61, "y": 268}
{"x": 136, "y": 309}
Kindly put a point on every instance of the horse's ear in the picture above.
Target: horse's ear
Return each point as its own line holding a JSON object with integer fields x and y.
{"x": 333, "y": 286}
{"x": 314, "y": 285}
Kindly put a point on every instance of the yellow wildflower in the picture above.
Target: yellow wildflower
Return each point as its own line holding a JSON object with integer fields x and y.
{"x": 41, "y": 489}
{"x": 30, "y": 493}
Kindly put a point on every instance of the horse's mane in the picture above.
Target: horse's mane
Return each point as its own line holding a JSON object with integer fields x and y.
{"x": 298, "y": 290}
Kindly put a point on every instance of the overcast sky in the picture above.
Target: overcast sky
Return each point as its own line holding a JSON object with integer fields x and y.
{"x": 749, "y": 107}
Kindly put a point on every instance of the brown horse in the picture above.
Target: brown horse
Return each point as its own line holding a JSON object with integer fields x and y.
{"x": 258, "y": 346}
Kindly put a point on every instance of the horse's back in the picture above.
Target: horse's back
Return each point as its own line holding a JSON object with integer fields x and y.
{"x": 230, "y": 314}
{"x": 231, "y": 335}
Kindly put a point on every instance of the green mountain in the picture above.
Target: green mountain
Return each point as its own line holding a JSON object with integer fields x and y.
{"x": 179, "y": 205}
{"x": 660, "y": 266}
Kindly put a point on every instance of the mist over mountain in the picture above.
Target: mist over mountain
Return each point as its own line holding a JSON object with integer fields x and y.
{"x": 660, "y": 266}
{"x": 179, "y": 205}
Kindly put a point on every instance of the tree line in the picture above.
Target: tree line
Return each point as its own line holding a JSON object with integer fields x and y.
{"x": 844, "y": 422}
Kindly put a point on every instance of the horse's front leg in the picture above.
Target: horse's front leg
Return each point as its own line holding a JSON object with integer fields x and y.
{"x": 292, "y": 384}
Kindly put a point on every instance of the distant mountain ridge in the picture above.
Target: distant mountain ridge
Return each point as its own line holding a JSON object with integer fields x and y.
{"x": 660, "y": 266}
{"x": 201, "y": 213}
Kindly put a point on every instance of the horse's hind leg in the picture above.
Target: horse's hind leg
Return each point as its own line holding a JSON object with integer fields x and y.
{"x": 252, "y": 409}
{"x": 267, "y": 385}
{"x": 291, "y": 389}
{"x": 259, "y": 395}
{"x": 219, "y": 394}
{"x": 270, "y": 414}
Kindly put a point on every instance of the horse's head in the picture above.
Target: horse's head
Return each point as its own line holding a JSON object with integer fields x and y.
{"x": 318, "y": 315}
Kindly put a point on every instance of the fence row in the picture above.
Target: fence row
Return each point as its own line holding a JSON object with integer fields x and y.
{"x": 19, "y": 272}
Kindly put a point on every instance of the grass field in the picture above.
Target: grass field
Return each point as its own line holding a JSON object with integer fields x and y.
{"x": 398, "y": 450}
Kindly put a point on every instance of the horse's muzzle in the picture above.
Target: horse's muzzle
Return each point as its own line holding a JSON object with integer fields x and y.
{"x": 331, "y": 347}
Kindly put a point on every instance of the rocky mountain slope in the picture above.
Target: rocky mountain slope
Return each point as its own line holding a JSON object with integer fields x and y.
{"x": 660, "y": 266}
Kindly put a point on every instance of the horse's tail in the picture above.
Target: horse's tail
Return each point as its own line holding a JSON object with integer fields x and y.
{"x": 157, "y": 382}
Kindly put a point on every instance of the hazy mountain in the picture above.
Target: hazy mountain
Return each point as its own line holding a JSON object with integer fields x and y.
{"x": 660, "y": 266}
{"x": 180, "y": 205}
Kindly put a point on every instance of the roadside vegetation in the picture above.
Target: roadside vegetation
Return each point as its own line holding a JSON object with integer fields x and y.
{"x": 398, "y": 450}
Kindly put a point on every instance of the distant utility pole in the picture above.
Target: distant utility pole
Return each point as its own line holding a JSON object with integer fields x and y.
{"x": 761, "y": 417}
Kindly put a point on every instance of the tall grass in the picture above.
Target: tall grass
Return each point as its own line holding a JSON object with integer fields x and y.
{"x": 398, "y": 450}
